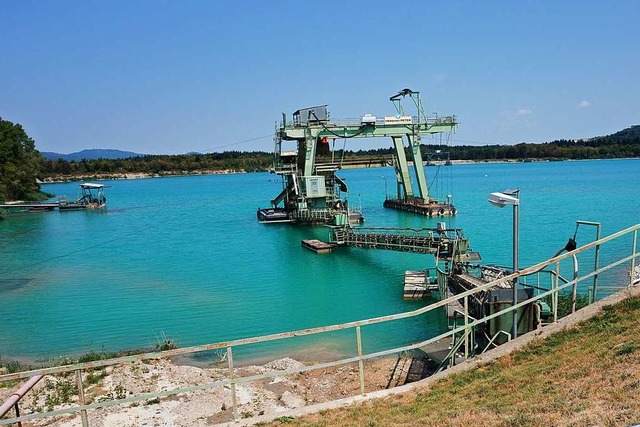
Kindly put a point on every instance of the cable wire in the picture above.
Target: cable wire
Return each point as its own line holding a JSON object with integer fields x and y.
{"x": 108, "y": 241}
{"x": 238, "y": 143}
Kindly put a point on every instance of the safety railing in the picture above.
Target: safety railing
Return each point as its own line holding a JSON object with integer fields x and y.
{"x": 462, "y": 332}
{"x": 314, "y": 214}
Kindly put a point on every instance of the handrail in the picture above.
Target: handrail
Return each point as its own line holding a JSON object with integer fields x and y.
{"x": 468, "y": 326}
{"x": 12, "y": 401}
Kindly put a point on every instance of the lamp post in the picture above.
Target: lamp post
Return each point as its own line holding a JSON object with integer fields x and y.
{"x": 385, "y": 188}
{"x": 510, "y": 197}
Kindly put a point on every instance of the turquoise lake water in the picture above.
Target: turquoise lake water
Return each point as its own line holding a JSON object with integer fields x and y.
{"x": 185, "y": 257}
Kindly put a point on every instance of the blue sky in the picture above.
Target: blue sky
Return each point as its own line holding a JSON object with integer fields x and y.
{"x": 166, "y": 77}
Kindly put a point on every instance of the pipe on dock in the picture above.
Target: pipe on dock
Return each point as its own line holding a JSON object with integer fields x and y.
{"x": 16, "y": 396}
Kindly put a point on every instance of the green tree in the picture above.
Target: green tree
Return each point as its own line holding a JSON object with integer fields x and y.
{"x": 19, "y": 163}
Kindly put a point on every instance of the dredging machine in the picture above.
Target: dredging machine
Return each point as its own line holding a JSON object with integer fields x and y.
{"x": 313, "y": 193}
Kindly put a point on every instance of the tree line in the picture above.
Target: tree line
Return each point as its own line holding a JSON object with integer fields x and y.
{"x": 22, "y": 166}
{"x": 622, "y": 144}
{"x": 19, "y": 164}
{"x": 162, "y": 164}
{"x": 625, "y": 143}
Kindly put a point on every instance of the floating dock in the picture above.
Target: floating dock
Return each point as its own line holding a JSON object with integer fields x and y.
{"x": 317, "y": 246}
{"x": 418, "y": 285}
{"x": 421, "y": 208}
{"x": 29, "y": 206}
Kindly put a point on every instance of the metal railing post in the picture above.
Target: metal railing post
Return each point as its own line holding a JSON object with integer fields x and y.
{"x": 466, "y": 327}
{"x": 17, "y": 408}
{"x": 232, "y": 377}
{"x": 554, "y": 295}
{"x": 596, "y": 265}
{"x": 574, "y": 288}
{"x": 360, "y": 361}
{"x": 594, "y": 290}
{"x": 83, "y": 412}
{"x": 633, "y": 259}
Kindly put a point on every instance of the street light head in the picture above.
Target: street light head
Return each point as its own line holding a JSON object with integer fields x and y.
{"x": 501, "y": 200}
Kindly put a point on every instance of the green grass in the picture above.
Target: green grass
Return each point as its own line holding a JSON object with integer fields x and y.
{"x": 12, "y": 366}
{"x": 584, "y": 376}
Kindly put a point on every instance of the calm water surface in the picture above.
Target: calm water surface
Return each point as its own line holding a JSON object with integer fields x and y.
{"x": 185, "y": 257}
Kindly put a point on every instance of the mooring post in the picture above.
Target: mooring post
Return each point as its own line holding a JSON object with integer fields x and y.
{"x": 360, "y": 362}
{"x": 83, "y": 412}
{"x": 234, "y": 400}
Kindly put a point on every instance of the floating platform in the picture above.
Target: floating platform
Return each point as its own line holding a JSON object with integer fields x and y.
{"x": 29, "y": 206}
{"x": 356, "y": 218}
{"x": 317, "y": 246}
{"x": 272, "y": 215}
{"x": 421, "y": 208}
{"x": 418, "y": 285}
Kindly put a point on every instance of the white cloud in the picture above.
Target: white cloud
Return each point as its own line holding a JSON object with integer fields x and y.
{"x": 584, "y": 104}
{"x": 524, "y": 112}
{"x": 439, "y": 78}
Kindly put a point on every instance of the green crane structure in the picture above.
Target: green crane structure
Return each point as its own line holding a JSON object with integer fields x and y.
{"x": 313, "y": 193}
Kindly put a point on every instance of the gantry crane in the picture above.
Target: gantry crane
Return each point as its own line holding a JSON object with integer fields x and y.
{"x": 313, "y": 193}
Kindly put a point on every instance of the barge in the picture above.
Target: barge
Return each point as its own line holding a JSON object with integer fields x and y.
{"x": 421, "y": 207}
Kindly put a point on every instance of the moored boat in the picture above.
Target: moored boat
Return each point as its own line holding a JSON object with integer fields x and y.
{"x": 90, "y": 196}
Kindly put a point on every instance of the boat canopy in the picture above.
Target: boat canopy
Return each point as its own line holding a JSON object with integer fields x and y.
{"x": 92, "y": 185}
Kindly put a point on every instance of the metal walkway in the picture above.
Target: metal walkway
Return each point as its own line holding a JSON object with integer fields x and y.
{"x": 444, "y": 243}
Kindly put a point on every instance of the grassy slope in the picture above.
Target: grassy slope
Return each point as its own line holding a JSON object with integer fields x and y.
{"x": 585, "y": 376}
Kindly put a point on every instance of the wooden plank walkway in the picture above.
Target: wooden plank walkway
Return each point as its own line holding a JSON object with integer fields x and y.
{"x": 317, "y": 246}
{"x": 29, "y": 206}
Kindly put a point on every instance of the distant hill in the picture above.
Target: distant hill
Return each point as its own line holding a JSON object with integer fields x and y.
{"x": 625, "y": 143}
{"x": 92, "y": 154}
{"x": 630, "y": 135}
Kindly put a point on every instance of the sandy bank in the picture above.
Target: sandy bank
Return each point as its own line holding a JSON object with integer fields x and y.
{"x": 137, "y": 175}
{"x": 202, "y": 407}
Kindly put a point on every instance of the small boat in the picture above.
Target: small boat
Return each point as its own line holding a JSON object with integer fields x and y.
{"x": 90, "y": 196}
